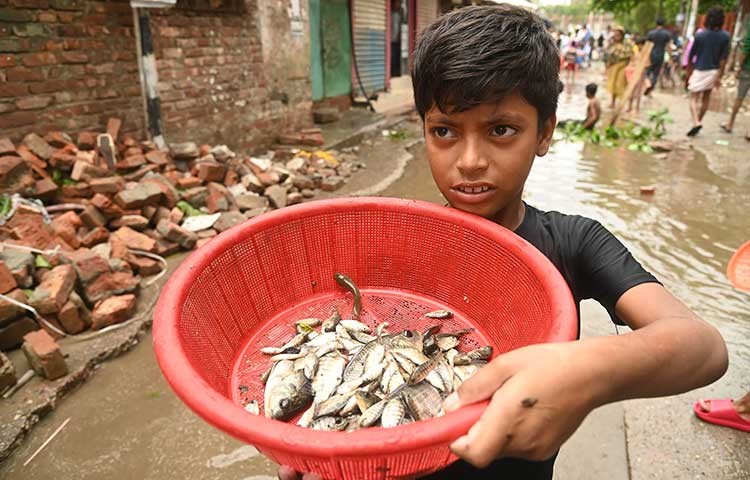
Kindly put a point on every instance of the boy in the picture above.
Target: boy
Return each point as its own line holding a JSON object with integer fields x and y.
{"x": 486, "y": 83}
{"x": 594, "y": 110}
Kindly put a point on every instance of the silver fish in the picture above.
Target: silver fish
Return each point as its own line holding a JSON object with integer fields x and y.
{"x": 447, "y": 341}
{"x": 296, "y": 341}
{"x": 440, "y": 314}
{"x": 407, "y": 339}
{"x": 420, "y": 373}
{"x": 330, "y": 324}
{"x": 330, "y": 423}
{"x": 423, "y": 401}
{"x": 349, "y": 284}
{"x": 331, "y": 406}
{"x": 393, "y": 413}
{"x": 482, "y": 353}
{"x": 310, "y": 364}
{"x": 309, "y": 322}
{"x": 278, "y": 371}
{"x": 362, "y": 337}
{"x": 328, "y": 376}
{"x": 355, "y": 326}
{"x": 253, "y": 407}
{"x": 372, "y": 414}
{"x": 351, "y": 407}
{"x": 307, "y": 418}
{"x": 289, "y": 395}
{"x": 365, "y": 400}
{"x": 321, "y": 340}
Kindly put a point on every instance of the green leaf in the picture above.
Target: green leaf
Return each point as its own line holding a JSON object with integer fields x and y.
{"x": 634, "y": 147}
{"x": 41, "y": 262}
{"x": 28, "y": 292}
{"x": 188, "y": 209}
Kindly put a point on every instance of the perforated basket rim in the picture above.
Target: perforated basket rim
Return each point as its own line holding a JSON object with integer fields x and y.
{"x": 221, "y": 412}
{"x": 740, "y": 257}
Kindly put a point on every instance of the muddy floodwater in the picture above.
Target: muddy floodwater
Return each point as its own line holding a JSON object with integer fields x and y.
{"x": 127, "y": 424}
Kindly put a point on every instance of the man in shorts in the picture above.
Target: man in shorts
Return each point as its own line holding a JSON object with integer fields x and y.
{"x": 706, "y": 62}
{"x": 743, "y": 82}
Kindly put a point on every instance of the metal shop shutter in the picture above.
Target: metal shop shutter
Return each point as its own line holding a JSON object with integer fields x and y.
{"x": 369, "y": 44}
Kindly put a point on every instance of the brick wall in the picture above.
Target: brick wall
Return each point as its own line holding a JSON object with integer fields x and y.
{"x": 71, "y": 64}
{"x": 67, "y": 64}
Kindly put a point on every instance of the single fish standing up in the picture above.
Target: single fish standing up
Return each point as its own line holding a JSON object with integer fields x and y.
{"x": 348, "y": 284}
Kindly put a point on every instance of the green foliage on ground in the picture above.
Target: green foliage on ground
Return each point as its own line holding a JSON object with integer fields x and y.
{"x": 188, "y": 209}
{"x": 634, "y": 137}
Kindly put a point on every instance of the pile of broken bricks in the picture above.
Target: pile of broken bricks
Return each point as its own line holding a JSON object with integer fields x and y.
{"x": 83, "y": 220}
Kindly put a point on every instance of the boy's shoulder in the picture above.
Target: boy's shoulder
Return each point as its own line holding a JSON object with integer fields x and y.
{"x": 557, "y": 225}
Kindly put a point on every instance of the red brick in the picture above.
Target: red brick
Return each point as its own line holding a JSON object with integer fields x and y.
{"x": 131, "y": 162}
{"x": 189, "y": 182}
{"x": 87, "y": 264}
{"x": 107, "y": 184}
{"x": 109, "y": 284}
{"x": 63, "y": 159}
{"x": 7, "y": 281}
{"x": 133, "y": 239}
{"x": 93, "y": 217}
{"x": 70, "y": 318}
{"x": 143, "y": 265}
{"x": 7, "y": 61}
{"x": 53, "y": 292}
{"x": 113, "y": 310}
{"x": 60, "y": 140}
{"x": 83, "y": 170}
{"x": 38, "y": 59}
{"x": 158, "y": 157}
{"x": 113, "y": 126}
{"x": 13, "y": 89}
{"x": 66, "y": 227}
{"x": 106, "y": 206}
{"x": 46, "y": 17}
{"x": 23, "y": 74}
{"x": 95, "y": 236}
{"x": 86, "y": 140}
{"x": 78, "y": 190}
{"x": 175, "y": 233}
{"x": 211, "y": 171}
{"x": 141, "y": 195}
{"x": 33, "y": 103}
{"x": 7, "y": 147}
{"x": 74, "y": 57}
{"x": 44, "y": 355}
{"x": 30, "y": 157}
{"x": 9, "y": 311}
{"x": 16, "y": 119}
{"x": 11, "y": 335}
{"x": 45, "y": 189}
{"x": 136, "y": 222}
{"x": 49, "y": 86}
{"x": 30, "y": 228}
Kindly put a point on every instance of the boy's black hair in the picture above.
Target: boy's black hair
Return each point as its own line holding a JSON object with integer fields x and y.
{"x": 715, "y": 18}
{"x": 591, "y": 89}
{"x": 481, "y": 54}
{"x": 660, "y": 21}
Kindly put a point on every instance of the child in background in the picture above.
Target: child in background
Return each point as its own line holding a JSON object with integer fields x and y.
{"x": 570, "y": 60}
{"x": 594, "y": 109}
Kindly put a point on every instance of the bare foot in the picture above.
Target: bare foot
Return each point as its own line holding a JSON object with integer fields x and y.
{"x": 742, "y": 409}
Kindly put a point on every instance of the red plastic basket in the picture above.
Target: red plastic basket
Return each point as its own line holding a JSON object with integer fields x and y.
{"x": 243, "y": 290}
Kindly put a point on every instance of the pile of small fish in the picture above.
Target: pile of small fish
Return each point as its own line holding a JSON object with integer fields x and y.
{"x": 347, "y": 377}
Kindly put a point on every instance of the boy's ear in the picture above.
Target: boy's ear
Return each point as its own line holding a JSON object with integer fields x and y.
{"x": 545, "y": 136}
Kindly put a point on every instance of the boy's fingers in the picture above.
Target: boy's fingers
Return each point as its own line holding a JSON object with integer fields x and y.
{"x": 479, "y": 387}
{"x": 487, "y": 438}
{"x": 287, "y": 473}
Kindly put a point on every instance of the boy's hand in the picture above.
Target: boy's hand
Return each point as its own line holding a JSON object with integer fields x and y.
{"x": 539, "y": 395}
{"x": 286, "y": 473}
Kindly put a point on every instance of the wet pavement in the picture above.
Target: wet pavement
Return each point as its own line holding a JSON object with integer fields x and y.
{"x": 126, "y": 423}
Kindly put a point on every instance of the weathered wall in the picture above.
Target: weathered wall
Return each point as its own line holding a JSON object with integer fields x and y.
{"x": 70, "y": 64}
{"x": 67, "y": 64}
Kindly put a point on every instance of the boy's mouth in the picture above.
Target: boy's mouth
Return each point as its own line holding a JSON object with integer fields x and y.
{"x": 473, "y": 188}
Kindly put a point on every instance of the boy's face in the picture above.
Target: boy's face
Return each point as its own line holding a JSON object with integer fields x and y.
{"x": 480, "y": 158}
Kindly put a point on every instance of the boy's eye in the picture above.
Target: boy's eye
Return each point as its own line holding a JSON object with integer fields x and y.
{"x": 443, "y": 132}
{"x": 503, "y": 131}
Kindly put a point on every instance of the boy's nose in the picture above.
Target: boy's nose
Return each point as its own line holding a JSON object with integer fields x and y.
{"x": 472, "y": 159}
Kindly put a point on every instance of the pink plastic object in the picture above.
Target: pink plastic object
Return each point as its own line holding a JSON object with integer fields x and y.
{"x": 243, "y": 290}
{"x": 738, "y": 270}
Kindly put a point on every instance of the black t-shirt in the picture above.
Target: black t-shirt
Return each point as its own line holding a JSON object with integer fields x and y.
{"x": 660, "y": 37}
{"x": 711, "y": 47}
{"x": 595, "y": 265}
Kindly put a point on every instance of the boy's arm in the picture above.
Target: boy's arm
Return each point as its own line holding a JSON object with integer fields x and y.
{"x": 540, "y": 394}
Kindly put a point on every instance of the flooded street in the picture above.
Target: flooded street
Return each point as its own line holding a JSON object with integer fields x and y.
{"x": 126, "y": 423}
